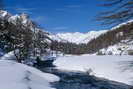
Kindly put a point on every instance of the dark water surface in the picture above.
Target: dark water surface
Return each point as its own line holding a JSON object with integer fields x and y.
{"x": 82, "y": 80}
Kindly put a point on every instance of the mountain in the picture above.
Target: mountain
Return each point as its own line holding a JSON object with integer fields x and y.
{"x": 117, "y": 41}
{"x": 23, "y": 19}
{"x": 4, "y": 15}
{"x": 77, "y": 37}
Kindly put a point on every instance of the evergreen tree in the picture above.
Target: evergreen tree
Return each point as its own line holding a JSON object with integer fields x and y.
{"x": 21, "y": 39}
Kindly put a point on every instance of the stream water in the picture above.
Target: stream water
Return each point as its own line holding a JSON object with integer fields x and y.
{"x": 82, "y": 80}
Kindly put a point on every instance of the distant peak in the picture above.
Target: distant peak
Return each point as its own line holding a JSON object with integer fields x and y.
{"x": 24, "y": 16}
{"x": 77, "y": 37}
{"x": 4, "y": 14}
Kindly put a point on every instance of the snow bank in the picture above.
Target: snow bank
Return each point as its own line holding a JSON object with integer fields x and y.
{"x": 8, "y": 56}
{"x": 103, "y": 66}
{"x": 19, "y": 76}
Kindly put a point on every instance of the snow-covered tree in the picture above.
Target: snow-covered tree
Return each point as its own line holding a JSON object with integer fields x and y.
{"x": 25, "y": 39}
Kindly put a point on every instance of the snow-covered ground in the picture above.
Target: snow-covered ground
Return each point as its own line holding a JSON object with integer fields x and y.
{"x": 19, "y": 76}
{"x": 110, "y": 67}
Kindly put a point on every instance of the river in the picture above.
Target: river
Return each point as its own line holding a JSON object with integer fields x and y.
{"x": 82, "y": 80}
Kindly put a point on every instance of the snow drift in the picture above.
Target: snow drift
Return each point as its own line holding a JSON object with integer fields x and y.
{"x": 19, "y": 76}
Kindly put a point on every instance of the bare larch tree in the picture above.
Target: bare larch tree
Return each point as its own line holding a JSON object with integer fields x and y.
{"x": 120, "y": 11}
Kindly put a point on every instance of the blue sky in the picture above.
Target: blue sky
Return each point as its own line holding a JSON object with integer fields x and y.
{"x": 60, "y": 15}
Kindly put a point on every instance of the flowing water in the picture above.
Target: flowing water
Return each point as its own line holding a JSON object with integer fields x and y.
{"x": 82, "y": 80}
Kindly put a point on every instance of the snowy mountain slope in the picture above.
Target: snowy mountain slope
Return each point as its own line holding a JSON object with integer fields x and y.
{"x": 18, "y": 76}
{"x": 109, "y": 67}
{"x": 122, "y": 48}
{"x": 77, "y": 37}
{"x": 113, "y": 37}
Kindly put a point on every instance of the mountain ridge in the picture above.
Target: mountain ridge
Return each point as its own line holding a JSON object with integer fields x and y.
{"x": 77, "y": 37}
{"x": 93, "y": 41}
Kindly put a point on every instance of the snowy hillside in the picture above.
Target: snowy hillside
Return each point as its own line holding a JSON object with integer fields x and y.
{"x": 124, "y": 47}
{"x": 110, "y": 67}
{"x": 77, "y": 37}
{"x": 18, "y": 76}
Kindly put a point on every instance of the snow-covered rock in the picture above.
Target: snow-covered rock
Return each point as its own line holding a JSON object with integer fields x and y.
{"x": 14, "y": 18}
{"x": 22, "y": 19}
{"x": 4, "y": 14}
{"x": 19, "y": 76}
